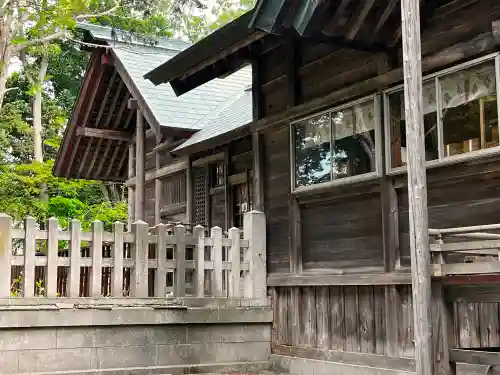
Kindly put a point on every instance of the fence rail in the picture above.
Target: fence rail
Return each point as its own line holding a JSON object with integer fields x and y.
{"x": 164, "y": 261}
{"x": 465, "y": 250}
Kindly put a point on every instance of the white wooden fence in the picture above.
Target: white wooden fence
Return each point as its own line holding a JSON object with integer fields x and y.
{"x": 140, "y": 263}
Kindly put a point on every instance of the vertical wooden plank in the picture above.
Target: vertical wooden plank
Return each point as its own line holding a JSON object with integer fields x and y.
{"x": 235, "y": 257}
{"x": 379, "y": 310}
{"x": 254, "y": 230}
{"x": 392, "y": 308}
{"x": 323, "y": 317}
{"x": 29, "y": 257}
{"x": 309, "y": 316}
{"x": 417, "y": 184}
{"x": 180, "y": 260}
{"x": 217, "y": 287}
{"x": 283, "y": 336}
{"x": 52, "y": 255}
{"x": 97, "y": 234}
{"x": 228, "y": 209}
{"x": 118, "y": 229}
{"x": 390, "y": 224}
{"x": 258, "y": 108}
{"x": 351, "y": 319}
{"x": 5, "y": 255}
{"x": 440, "y": 335}
{"x": 337, "y": 308}
{"x": 488, "y": 321}
{"x": 406, "y": 335}
{"x": 161, "y": 258}
{"x": 275, "y": 304}
{"x": 366, "y": 319}
{"x": 473, "y": 317}
{"x": 199, "y": 235}
{"x": 139, "y": 167}
{"x": 75, "y": 246}
{"x": 464, "y": 336}
{"x": 296, "y": 310}
{"x": 140, "y": 247}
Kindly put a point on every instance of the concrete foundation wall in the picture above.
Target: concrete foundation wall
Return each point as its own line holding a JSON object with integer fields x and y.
{"x": 142, "y": 340}
{"x": 304, "y": 366}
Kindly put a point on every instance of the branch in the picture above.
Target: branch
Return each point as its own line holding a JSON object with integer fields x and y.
{"x": 24, "y": 61}
{"x": 84, "y": 17}
{"x": 93, "y": 45}
{"x": 44, "y": 40}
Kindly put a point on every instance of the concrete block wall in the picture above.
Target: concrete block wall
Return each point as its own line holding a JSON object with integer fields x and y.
{"x": 229, "y": 339}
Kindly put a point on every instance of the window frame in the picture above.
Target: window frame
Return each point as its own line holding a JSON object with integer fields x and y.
{"x": 377, "y": 101}
{"x": 442, "y": 160}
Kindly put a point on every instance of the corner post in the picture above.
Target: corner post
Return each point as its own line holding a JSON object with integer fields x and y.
{"x": 254, "y": 230}
{"x": 139, "y": 162}
{"x": 5, "y": 255}
{"x": 131, "y": 190}
{"x": 417, "y": 185}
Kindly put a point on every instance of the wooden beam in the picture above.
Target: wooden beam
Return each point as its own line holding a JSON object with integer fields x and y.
{"x": 366, "y": 278}
{"x": 384, "y": 17}
{"x": 139, "y": 168}
{"x": 112, "y": 166}
{"x": 292, "y": 64}
{"x": 258, "y": 111}
{"x": 332, "y": 25}
{"x": 157, "y": 186}
{"x": 360, "y": 19}
{"x": 104, "y": 134}
{"x": 341, "y": 41}
{"x": 179, "y": 165}
{"x": 131, "y": 192}
{"x": 417, "y": 186}
{"x": 208, "y": 159}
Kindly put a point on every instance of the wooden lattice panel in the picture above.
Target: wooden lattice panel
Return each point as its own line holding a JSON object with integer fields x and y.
{"x": 200, "y": 193}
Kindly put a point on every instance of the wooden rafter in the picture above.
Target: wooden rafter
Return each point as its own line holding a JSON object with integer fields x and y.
{"x": 337, "y": 16}
{"x": 106, "y": 123}
{"x": 118, "y": 118}
{"x": 115, "y": 152}
{"x": 87, "y": 111}
{"x": 104, "y": 134}
{"x": 97, "y": 121}
{"x": 363, "y": 13}
{"x": 310, "y": 17}
{"x": 352, "y": 44}
{"x": 384, "y": 17}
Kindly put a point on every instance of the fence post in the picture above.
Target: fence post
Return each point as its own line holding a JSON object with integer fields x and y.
{"x": 75, "y": 249}
{"x": 199, "y": 236}
{"x": 97, "y": 229}
{"x": 217, "y": 287}
{"x": 235, "y": 257}
{"x": 180, "y": 260}
{"x": 5, "y": 255}
{"x": 52, "y": 255}
{"x": 139, "y": 277}
{"x": 254, "y": 230}
{"x": 118, "y": 229}
{"x": 161, "y": 258}
{"x": 29, "y": 257}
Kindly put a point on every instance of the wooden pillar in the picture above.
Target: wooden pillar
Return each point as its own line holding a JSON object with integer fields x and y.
{"x": 258, "y": 172}
{"x": 131, "y": 190}
{"x": 417, "y": 186}
{"x": 139, "y": 167}
{"x": 189, "y": 192}
{"x": 157, "y": 184}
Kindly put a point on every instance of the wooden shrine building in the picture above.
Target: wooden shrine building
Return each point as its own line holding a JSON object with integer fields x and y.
{"x": 125, "y": 129}
{"x": 332, "y": 150}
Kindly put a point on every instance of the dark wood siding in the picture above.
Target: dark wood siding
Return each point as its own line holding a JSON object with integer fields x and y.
{"x": 343, "y": 233}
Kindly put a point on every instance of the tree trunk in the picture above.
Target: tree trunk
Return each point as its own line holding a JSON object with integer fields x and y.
{"x": 6, "y": 20}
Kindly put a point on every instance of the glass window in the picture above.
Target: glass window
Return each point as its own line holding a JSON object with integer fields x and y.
{"x": 397, "y": 125}
{"x": 469, "y": 109}
{"x": 335, "y": 145}
{"x": 312, "y": 150}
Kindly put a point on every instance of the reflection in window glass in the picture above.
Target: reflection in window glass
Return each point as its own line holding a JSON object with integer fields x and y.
{"x": 353, "y": 140}
{"x": 470, "y": 117}
{"x": 397, "y": 125}
{"x": 312, "y": 150}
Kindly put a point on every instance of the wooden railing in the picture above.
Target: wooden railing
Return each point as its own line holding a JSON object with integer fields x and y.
{"x": 162, "y": 262}
{"x": 465, "y": 250}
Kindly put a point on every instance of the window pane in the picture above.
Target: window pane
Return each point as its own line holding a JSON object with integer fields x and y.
{"x": 354, "y": 141}
{"x": 470, "y": 117}
{"x": 312, "y": 150}
{"x": 397, "y": 125}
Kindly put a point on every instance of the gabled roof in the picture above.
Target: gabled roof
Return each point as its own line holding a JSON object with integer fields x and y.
{"x": 235, "y": 116}
{"x": 138, "y": 57}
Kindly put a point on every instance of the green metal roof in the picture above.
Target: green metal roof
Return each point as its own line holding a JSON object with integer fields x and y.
{"x": 188, "y": 112}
